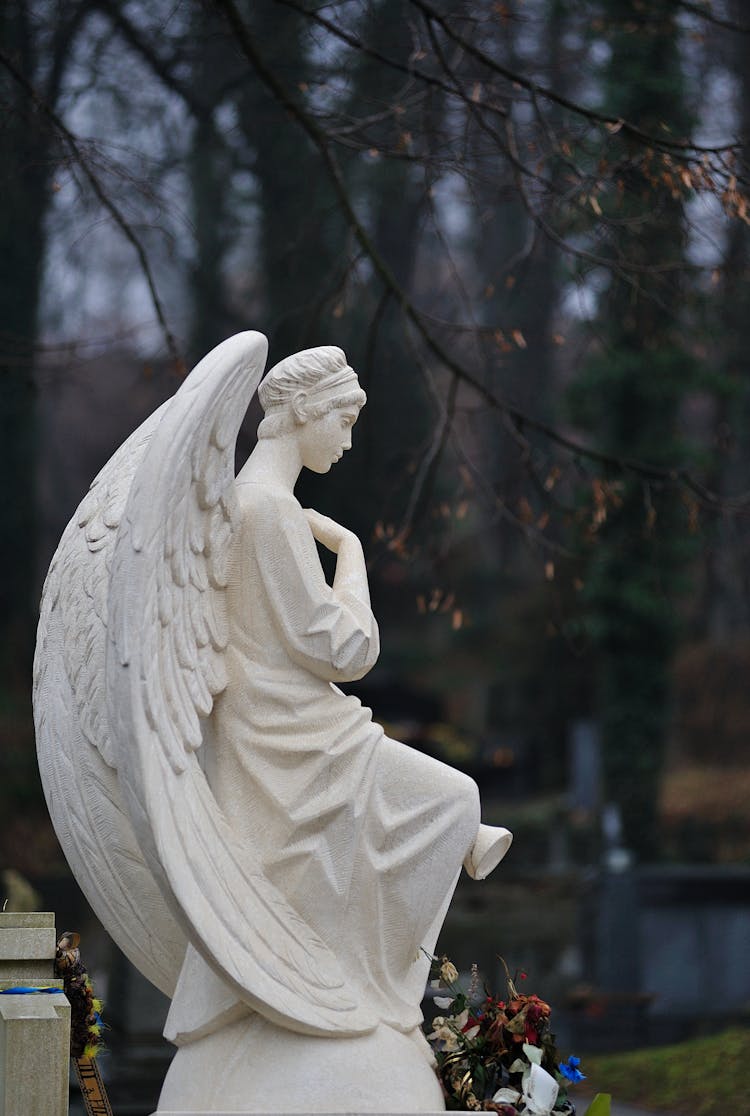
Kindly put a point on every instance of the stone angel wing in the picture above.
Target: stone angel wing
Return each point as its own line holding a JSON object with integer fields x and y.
{"x": 77, "y": 756}
{"x": 168, "y": 630}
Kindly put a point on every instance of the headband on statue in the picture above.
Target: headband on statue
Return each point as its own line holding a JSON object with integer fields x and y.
{"x": 341, "y": 382}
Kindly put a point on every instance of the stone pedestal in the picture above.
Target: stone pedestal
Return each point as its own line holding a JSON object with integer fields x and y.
{"x": 34, "y": 1028}
{"x": 255, "y": 1066}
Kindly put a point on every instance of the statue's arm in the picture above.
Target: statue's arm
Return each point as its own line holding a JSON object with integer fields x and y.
{"x": 351, "y": 572}
{"x": 330, "y": 630}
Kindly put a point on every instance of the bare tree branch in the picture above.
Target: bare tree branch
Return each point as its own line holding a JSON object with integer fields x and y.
{"x": 142, "y": 46}
{"x": 538, "y": 90}
{"x": 411, "y": 70}
{"x": 675, "y": 476}
{"x": 705, "y": 13}
{"x": 73, "y": 145}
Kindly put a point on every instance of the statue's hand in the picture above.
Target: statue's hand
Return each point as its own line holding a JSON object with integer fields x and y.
{"x": 327, "y": 531}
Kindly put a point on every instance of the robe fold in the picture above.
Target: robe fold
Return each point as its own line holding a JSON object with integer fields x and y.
{"x": 363, "y": 835}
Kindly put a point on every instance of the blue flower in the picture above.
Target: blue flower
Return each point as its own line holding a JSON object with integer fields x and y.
{"x": 570, "y": 1069}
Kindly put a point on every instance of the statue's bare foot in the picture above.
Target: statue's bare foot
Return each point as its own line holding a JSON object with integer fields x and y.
{"x": 488, "y": 850}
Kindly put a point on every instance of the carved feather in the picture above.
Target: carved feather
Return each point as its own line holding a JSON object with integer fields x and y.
{"x": 77, "y": 754}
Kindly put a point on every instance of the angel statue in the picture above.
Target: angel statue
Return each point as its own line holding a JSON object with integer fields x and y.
{"x": 253, "y": 842}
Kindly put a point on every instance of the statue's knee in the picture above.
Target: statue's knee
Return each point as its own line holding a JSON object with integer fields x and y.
{"x": 466, "y": 802}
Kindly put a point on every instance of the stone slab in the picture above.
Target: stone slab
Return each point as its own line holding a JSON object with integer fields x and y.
{"x": 27, "y": 919}
{"x": 34, "y": 1055}
{"x": 44, "y": 980}
{"x": 27, "y": 947}
{"x": 26, "y": 944}
{"x": 21, "y": 971}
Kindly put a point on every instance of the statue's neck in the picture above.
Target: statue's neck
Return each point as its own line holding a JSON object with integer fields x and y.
{"x": 274, "y": 461}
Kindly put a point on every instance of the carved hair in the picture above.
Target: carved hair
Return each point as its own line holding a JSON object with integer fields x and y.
{"x": 321, "y": 373}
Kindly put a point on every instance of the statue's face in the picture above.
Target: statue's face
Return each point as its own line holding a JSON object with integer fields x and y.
{"x": 324, "y": 440}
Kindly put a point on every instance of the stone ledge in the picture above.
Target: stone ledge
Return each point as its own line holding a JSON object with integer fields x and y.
{"x": 21, "y": 943}
{"x": 34, "y": 1054}
{"x": 22, "y": 1006}
{"x": 35, "y": 920}
{"x": 44, "y": 981}
{"x": 20, "y": 970}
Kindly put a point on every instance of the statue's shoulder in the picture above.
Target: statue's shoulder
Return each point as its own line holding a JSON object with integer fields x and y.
{"x": 267, "y": 503}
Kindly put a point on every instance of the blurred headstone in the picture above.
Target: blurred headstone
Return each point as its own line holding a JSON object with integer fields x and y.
{"x": 618, "y": 960}
{"x": 585, "y": 766}
{"x": 695, "y": 926}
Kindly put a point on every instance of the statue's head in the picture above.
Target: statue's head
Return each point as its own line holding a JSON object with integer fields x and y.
{"x": 315, "y": 397}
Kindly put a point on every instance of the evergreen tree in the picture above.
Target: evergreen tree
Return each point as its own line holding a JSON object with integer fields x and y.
{"x": 629, "y": 397}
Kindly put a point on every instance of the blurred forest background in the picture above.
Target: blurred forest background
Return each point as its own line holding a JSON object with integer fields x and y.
{"x": 526, "y": 224}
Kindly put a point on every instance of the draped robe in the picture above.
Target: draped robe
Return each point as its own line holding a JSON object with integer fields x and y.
{"x": 363, "y": 835}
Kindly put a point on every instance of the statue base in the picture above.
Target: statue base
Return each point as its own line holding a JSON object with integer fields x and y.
{"x": 253, "y": 1066}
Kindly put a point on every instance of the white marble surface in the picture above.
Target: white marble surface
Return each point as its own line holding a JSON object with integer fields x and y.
{"x": 247, "y": 833}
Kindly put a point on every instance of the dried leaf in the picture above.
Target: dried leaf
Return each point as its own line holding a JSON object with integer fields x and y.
{"x": 525, "y": 511}
{"x": 552, "y": 478}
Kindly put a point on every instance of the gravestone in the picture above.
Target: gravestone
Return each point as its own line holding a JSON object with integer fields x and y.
{"x": 585, "y": 766}
{"x": 34, "y": 1028}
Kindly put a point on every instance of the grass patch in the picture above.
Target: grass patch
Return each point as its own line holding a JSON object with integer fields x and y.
{"x": 703, "y": 1077}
